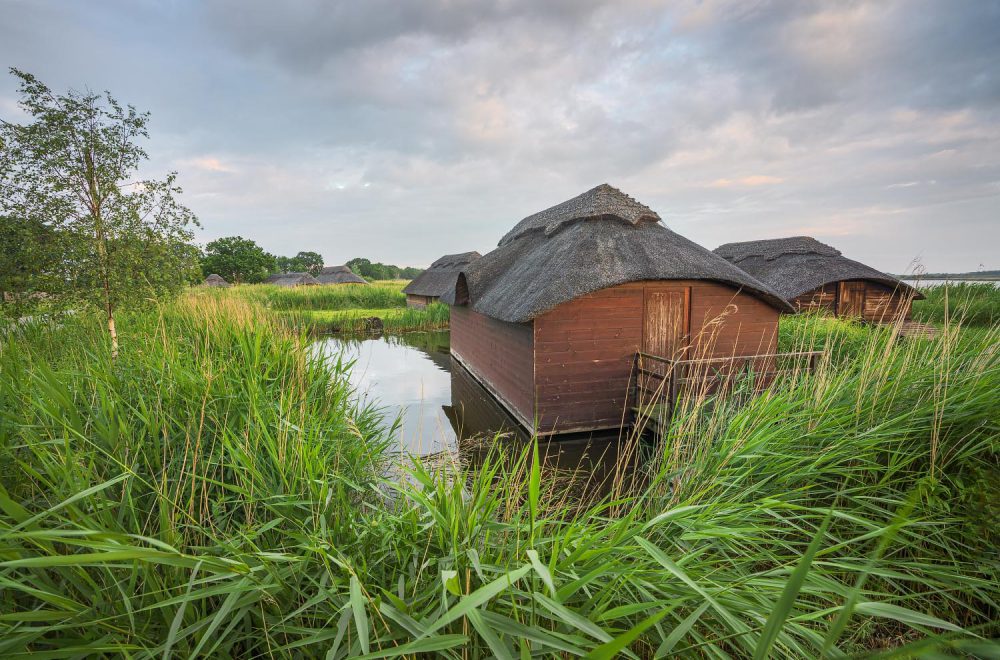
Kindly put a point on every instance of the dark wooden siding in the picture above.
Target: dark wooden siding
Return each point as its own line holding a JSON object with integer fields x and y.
{"x": 500, "y": 355}
{"x": 419, "y": 302}
{"x": 583, "y": 358}
{"x": 584, "y": 348}
{"x": 885, "y": 305}
{"x": 822, "y": 298}
{"x": 725, "y": 322}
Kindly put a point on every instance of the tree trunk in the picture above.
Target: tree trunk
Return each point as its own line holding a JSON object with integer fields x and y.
{"x": 114, "y": 335}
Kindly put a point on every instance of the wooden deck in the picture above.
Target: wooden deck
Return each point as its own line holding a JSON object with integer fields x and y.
{"x": 919, "y": 330}
{"x": 659, "y": 383}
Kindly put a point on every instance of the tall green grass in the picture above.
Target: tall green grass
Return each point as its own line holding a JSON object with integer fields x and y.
{"x": 217, "y": 493}
{"x": 974, "y": 303}
{"x": 326, "y": 297}
{"x": 393, "y": 320}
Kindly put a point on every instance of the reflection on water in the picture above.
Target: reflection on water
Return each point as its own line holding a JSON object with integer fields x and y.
{"x": 408, "y": 377}
{"x": 443, "y": 409}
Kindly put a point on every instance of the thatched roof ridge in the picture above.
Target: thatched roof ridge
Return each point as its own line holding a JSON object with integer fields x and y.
{"x": 604, "y": 201}
{"x": 441, "y": 276}
{"x": 339, "y": 275}
{"x": 538, "y": 270}
{"x": 292, "y": 279}
{"x": 215, "y": 280}
{"x": 798, "y": 264}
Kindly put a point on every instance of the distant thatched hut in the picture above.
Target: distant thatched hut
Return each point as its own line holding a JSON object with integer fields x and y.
{"x": 437, "y": 280}
{"x": 815, "y": 276}
{"x": 215, "y": 281}
{"x": 339, "y": 275}
{"x": 550, "y": 322}
{"x": 292, "y": 279}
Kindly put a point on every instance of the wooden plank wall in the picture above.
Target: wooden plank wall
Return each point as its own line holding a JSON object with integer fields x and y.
{"x": 824, "y": 297}
{"x": 584, "y": 348}
{"x": 418, "y": 302}
{"x": 499, "y": 354}
{"x": 583, "y": 357}
{"x": 884, "y": 304}
{"x": 725, "y": 322}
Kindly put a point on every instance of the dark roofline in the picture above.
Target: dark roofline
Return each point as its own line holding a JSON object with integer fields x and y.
{"x": 553, "y": 257}
{"x": 601, "y": 202}
{"x": 798, "y": 264}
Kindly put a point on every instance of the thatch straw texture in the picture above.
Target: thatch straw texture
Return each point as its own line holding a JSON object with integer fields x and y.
{"x": 339, "y": 275}
{"x": 441, "y": 276}
{"x": 599, "y": 239}
{"x": 796, "y": 265}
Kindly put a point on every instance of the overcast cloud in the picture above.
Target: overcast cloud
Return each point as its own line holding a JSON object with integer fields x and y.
{"x": 404, "y": 130}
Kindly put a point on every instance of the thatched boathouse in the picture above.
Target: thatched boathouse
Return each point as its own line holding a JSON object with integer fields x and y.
{"x": 550, "y": 322}
{"x": 339, "y": 275}
{"x": 437, "y": 280}
{"x": 815, "y": 276}
{"x": 292, "y": 279}
{"x": 215, "y": 280}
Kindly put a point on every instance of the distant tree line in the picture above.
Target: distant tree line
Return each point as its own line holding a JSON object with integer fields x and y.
{"x": 972, "y": 275}
{"x": 379, "y": 271}
{"x": 242, "y": 260}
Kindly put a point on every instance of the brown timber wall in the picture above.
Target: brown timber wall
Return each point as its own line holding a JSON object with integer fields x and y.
{"x": 584, "y": 347}
{"x": 500, "y": 355}
{"x": 418, "y": 302}
{"x": 824, "y": 297}
{"x": 884, "y": 304}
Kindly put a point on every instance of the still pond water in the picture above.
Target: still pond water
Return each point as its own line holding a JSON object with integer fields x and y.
{"x": 413, "y": 379}
{"x": 443, "y": 410}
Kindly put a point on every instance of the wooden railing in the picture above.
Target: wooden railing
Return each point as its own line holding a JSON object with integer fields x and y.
{"x": 658, "y": 382}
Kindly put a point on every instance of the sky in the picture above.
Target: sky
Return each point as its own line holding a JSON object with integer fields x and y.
{"x": 400, "y": 130}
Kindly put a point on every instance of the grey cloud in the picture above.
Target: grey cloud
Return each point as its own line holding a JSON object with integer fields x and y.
{"x": 401, "y": 130}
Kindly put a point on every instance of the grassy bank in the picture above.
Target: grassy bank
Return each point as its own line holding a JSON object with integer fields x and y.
{"x": 379, "y": 295}
{"x": 973, "y": 303}
{"x": 346, "y": 309}
{"x": 357, "y": 321}
{"x": 215, "y": 492}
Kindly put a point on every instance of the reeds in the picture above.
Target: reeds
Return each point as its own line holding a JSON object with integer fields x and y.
{"x": 217, "y": 493}
{"x": 354, "y": 322}
{"x": 975, "y": 303}
{"x": 379, "y": 295}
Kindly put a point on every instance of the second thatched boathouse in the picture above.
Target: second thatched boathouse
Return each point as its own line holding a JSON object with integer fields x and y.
{"x": 215, "y": 280}
{"x": 292, "y": 279}
{"x": 816, "y": 276}
{"x": 551, "y": 320}
{"x": 339, "y": 275}
{"x": 437, "y": 280}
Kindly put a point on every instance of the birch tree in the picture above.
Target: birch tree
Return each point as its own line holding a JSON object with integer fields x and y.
{"x": 73, "y": 168}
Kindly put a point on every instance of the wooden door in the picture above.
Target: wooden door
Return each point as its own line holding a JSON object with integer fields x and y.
{"x": 666, "y": 320}
{"x": 852, "y": 299}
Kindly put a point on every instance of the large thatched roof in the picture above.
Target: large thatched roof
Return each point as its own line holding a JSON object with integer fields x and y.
{"x": 797, "y": 264}
{"x": 597, "y": 240}
{"x": 339, "y": 275}
{"x": 292, "y": 279}
{"x": 215, "y": 280}
{"x": 441, "y": 276}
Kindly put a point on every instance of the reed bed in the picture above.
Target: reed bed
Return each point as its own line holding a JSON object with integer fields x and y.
{"x": 378, "y": 295}
{"x": 216, "y": 493}
{"x": 974, "y": 303}
{"x": 393, "y": 320}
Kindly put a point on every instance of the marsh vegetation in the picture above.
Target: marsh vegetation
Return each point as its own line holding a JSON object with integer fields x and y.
{"x": 217, "y": 491}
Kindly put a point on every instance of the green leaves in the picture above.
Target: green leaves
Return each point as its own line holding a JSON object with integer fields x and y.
{"x": 216, "y": 491}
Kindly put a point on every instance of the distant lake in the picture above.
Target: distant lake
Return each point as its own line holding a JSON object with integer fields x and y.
{"x": 923, "y": 282}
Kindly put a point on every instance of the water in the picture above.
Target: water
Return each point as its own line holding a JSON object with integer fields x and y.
{"x": 443, "y": 410}
{"x": 409, "y": 377}
{"x": 923, "y": 282}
